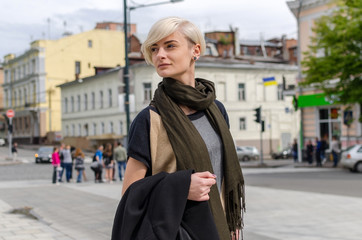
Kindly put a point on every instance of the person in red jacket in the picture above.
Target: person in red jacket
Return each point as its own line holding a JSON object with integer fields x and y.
{"x": 56, "y": 164}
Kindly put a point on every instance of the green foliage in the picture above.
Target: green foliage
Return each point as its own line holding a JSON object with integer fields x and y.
{"x": 339, "y": 38}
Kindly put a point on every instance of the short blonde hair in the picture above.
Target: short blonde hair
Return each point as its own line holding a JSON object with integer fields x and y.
{"x": 165, "y": 27}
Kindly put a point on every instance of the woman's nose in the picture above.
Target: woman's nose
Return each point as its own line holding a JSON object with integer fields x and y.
{"x": 161, "y": 53}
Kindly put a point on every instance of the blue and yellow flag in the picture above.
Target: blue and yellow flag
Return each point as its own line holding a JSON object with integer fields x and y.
{"x": 269, "y": 81}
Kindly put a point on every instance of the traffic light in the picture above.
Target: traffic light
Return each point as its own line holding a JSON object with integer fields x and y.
{"x": 257, "y": 114}
{"x": 295, "y": 103}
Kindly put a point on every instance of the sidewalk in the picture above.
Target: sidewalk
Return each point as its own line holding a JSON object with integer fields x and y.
{"x": 85, "y": 211}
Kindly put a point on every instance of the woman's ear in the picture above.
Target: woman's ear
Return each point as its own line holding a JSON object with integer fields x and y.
{"x": 197, "y": 50}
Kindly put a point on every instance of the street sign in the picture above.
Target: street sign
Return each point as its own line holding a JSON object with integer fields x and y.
{"x": 10, "y": 113}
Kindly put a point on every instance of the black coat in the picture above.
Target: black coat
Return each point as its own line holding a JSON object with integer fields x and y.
{"x": 156, "y": 207}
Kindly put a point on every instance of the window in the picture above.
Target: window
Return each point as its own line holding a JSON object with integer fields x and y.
{"x": 101, "y": 99}
{"x": 25, "y": 97}
{"x": 280, "y": 92}
{"x": 147, "y": 91}
{"x": 110, "y": 97}
{"x": 330, "y": 123}
{"x": 65, "y": 105}
{"x": 79, "y": 129}
{"x": 93, "y": 100}
{"x": 111, "y": 127}
{"x": 20, "y": 98}
{"x": 73, "y": 129}
{"x": 33, "y": 66}
{"x": 120, "y": 127}
{"x": 15, "y": 99}
{"x": 90, "y": 43}
{"x": 77, "y": 67}
{"x": 6, "y": 98}
{"x": 94, "y": 128}
{"x": 72, "y": 104}
{"x": 242, "y": 124}
{"x": 78, "y": 103}
{"x": 86, "y": 129}
{"x": 6, "y": 74}
{"x": 241, "y": 92}
{"x": 67, "y": 130}
{"x": 102, "y": 128}
{"x": 85, "y": 101}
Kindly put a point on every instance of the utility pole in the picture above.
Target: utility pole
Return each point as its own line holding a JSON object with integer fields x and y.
{"x": 50, "y": 92}
{"x": 300, "y": 142}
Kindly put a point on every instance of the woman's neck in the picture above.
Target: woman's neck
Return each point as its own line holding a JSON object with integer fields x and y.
{"x": 187, "y": 110}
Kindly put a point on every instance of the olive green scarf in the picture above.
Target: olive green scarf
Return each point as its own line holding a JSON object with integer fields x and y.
{"x": 190, "y": 149}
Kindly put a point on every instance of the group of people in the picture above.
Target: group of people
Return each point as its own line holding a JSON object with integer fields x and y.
{"x": 107, "y": 158}
{"x": 319, "y": 151}
{"x": 65, "y": 157}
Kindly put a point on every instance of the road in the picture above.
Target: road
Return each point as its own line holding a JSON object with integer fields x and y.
{"x": 285, "y": 202}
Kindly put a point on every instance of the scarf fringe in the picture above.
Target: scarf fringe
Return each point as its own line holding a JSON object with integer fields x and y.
{"x": 235, "y": 214}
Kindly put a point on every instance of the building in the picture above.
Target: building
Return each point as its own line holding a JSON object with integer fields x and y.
{"x": 320, "y": 116}
{"x": 239, "y": 85}
{"x": 93, "y": 110}
{"x": 30, "y": 79}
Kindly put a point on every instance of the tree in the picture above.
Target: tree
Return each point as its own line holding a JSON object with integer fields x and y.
{"x": 334, "y": 62}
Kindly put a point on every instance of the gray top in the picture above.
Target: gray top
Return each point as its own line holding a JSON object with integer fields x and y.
{"x": 67, "y": 157}
{"x": 214, "y": 145}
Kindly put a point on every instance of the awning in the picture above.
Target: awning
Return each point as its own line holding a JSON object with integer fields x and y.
{"x": 313, "y": 100}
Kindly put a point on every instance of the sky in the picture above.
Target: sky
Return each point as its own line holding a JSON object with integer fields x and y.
{"x": 23, "y": 21}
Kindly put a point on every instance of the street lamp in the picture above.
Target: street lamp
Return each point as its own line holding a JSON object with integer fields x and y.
{"x": 126, "y": 67}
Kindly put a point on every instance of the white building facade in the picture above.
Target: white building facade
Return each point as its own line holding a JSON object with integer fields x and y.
{"x": 94, "y": 109}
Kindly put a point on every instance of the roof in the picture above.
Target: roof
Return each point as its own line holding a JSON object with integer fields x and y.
{"x": 102, "y": 74}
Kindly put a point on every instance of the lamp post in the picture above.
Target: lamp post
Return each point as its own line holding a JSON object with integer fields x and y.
{"x": 126, "y": 67}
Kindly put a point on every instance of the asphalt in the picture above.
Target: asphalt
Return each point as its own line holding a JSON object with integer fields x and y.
{"x": 40, "y": 210}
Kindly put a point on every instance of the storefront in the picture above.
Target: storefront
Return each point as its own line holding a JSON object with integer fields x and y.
{"x": 324, "y": 119}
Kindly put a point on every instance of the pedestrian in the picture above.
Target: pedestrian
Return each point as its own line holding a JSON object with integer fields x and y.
{"x": 61, "y": 156}
{"x": 310, "y": 150}
{"x": 323, "y": 148}
{"x": 67, "y": 162}
{"x": 79, "y": 163}
{"x": 318, "y": 152}
{"x": 120, "y": 156}
{"x": 335, "y": 150}
{"x": 14, "y": 151}
{"x": 182, "y": 170}
{"x": 108, "y": 162}
{"x": 56, "y": 165}
{"x": 97, "y": 164}
{"x": 295, "y": 150}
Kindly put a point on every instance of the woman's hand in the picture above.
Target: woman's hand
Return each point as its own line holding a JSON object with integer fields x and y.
{"x": 200, "y": 185}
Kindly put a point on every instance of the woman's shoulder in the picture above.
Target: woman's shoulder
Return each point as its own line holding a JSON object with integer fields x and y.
{"x": 220, "y": 105}
{"x": 143, "y": 117}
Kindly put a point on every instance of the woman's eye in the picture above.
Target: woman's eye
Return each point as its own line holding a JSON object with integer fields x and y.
{"x": 170, "y": 46}
{"x": 153, "y": 49}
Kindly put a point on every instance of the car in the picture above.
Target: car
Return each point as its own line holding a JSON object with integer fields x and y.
{"x": 351, "y": 158}
{"x": 2, "y": 142}
{"x": 246, "y": 153}
{"x": 283, "y": 154}
{"x": 44, "y": 154}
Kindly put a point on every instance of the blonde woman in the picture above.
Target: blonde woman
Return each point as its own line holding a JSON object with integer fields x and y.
{"x": 182, "y": 162}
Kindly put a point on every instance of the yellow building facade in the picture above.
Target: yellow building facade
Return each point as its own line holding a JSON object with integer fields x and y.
{"x": 30, "y": 79}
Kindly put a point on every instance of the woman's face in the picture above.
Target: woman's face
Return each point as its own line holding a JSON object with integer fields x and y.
{"x": 172, "y": 57}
